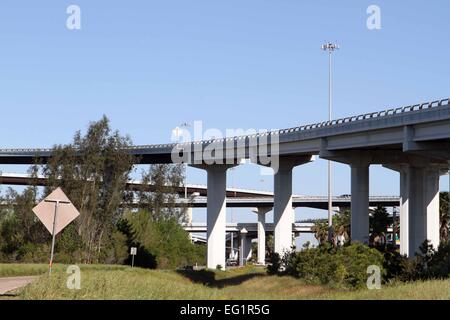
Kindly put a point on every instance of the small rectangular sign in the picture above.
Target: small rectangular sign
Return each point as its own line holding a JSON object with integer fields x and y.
{"x": 133, "y": 251}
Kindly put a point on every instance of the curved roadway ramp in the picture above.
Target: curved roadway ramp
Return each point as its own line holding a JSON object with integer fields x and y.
{"x": 11, "y": 284}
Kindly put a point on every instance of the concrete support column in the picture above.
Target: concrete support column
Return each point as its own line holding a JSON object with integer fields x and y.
{"x": 283, "y": 213}
{"x": 189, "y": 215}
{"x": 282, "y": 210}
{"x": 216, "y": 214}
{"x": 261, "y": 233}
{"x": 431, "y": 197}
{"x": 360, "y": 202}
{"x": 423, "y": 187}
{"x": 404, "y": 212}
{"x": 417, "y": 232}
{"x": 419, "y": 204}
{"x": 248, "y": 250}
{"x": 243, "y": 252}
{"x": 419, "y": 211}
{"x": 231, "y": 245}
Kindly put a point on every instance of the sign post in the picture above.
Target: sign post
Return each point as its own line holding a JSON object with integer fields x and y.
{"x": 55, "y": 212}
{"x": 133, "y": 253}
{"x": 57, "y": 202}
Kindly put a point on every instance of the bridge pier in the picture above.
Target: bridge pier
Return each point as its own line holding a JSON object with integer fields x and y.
{"x": 423, "y": 208}
{"x": 216, "y": 214}
{"x": 245, "y": 252}
{"x": 261, "y": 212}
{"x": 283, "y": 213}
{"x": 419, "y": 206}
{"x": 359, "y": 162}
{"x": 188, "y": 215}
{"x": 404, "y": 211}
{"x": 360, "y": 202}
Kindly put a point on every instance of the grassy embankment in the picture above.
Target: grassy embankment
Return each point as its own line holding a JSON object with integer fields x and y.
{"x": 121, "y": 282}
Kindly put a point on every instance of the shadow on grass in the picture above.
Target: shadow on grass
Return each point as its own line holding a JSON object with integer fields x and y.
{"x": 208, "y": 278}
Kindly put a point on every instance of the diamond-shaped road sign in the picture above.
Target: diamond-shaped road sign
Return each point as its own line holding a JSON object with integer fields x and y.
{"x": 66, "y": 212}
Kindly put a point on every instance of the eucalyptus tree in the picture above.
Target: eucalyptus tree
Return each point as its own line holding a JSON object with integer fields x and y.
{"x": 159, "y": 192}
{"x": 93, "y": 171}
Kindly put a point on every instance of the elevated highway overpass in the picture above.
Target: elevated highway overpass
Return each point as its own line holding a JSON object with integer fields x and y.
{"x": 200, "y": 227}
{"x": 406, "y": 129}
{"x": 413, "y": 141}
{"x": 236, "y": 197}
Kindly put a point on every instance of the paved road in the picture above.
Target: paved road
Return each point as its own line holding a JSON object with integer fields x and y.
{"x": 13, "y": 283}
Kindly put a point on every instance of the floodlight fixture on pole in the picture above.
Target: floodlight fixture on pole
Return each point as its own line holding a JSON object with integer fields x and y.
{"x": 330, "y": 47}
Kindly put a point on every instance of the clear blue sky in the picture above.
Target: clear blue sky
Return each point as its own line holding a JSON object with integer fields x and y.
{"x": 150, "y": 65}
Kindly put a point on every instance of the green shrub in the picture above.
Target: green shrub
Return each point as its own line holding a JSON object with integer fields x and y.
{"x": 395, "y": 264}
{"x": 33, "y": 253}
{"x": 439, "y": 264}
{"x": 339, "y": 267}
{"x": 356, "y": 258}
{"x": 161, "y": 243}
{"x": 428, "y": 263}
{"x": 274, "y": 264}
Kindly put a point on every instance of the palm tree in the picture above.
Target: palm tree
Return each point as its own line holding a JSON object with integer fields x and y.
{"x": 341, "y": 224}
{"x": 379, "y": 222}
{"x": 320, "y": 230}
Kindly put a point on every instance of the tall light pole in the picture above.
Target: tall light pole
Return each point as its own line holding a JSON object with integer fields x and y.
{"x": 185, "y": 125}
{"x": 231, "y": 187}
{"x": 330, "y": 47}
{"x": 177, "y": 132}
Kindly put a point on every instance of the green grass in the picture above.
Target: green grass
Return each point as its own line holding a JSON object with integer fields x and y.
{"x": 418, "y": 290}
{"x": 15, "y": 270}
{"x": 122, "y": 282}
{"x": 32, "y": 269}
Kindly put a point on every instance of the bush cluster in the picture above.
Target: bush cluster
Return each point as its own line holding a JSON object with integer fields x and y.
{"x": 162, "y": 243}
{"x": 344, "y": 267}
{"x": 428, "y": 263}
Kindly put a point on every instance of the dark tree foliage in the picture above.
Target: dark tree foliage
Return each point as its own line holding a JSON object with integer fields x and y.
{"x": 93, "y": 171}
{"x": 164, "y": 241}
{"x": 161, "y": 199}
{"x": 18, "y": 224}
{"x": 379, "y": 220}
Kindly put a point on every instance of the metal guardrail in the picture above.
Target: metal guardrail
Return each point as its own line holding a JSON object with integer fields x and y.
{"x": 200, "y": 199}
{"x": 361, "y": 117}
